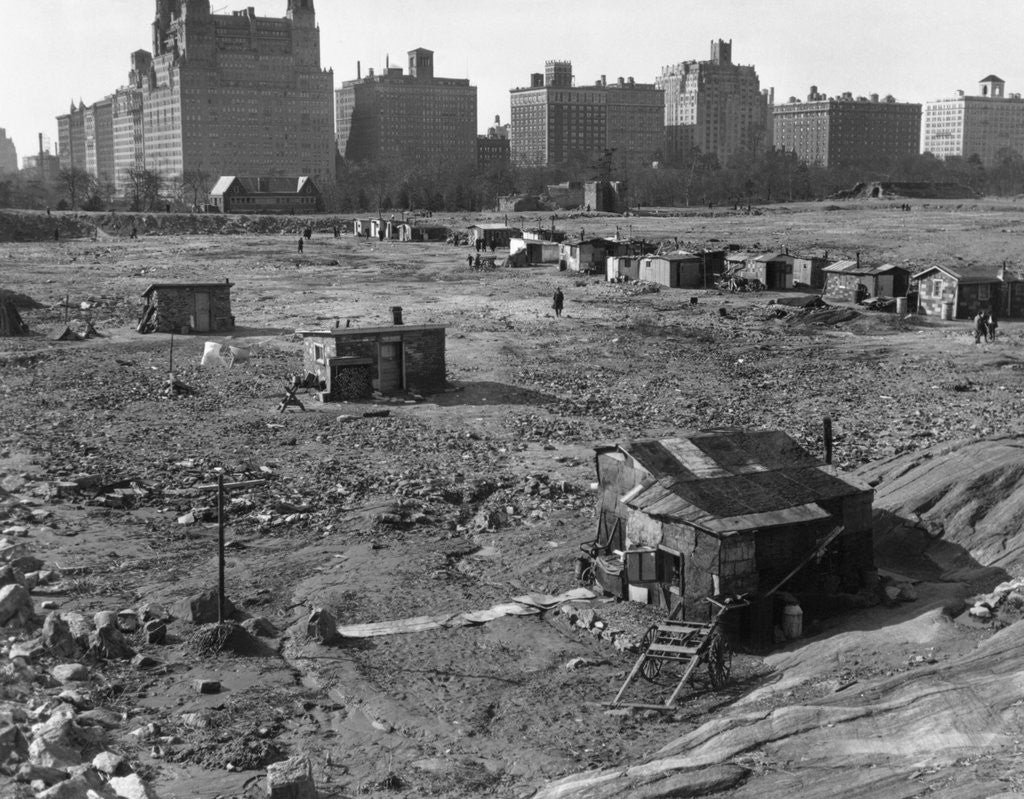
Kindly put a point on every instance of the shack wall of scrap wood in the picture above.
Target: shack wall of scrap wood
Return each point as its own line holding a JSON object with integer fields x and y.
{"x": 848, "y": 281}
{"x": 674, "y": 270}
{"x": 187, "y": 307}
{"x": 352, "y": 363}
{"x": 728, "y": 513}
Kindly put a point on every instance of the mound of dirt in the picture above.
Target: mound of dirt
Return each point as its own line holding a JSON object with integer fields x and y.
{"x": 18, "y": 300}
{"x": 970, "y": 494}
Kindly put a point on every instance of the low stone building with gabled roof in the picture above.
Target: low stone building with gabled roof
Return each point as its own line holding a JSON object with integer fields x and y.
{"x": 266, "y": 195}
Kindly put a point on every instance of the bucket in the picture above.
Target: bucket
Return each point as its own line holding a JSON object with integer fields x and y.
{"x": 792, "y": 621}
{"x": 901, "y": 305}
{"x": 947, "y": 312}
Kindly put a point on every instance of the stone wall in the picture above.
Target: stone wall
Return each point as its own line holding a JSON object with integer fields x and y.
{"x": 176, "y": 308}
{"x": 424, "y": 359}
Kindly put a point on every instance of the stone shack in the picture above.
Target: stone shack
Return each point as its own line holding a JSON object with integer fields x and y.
{"x": 851, "y": 281}
{"x": 187, "y": 308}
{"x": 730, "y": 512}
{"x": 968, "y": 289}
{"x": 351, "y": 362}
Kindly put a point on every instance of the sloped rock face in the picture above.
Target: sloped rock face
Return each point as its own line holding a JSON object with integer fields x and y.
{"x": 858, "y": 744}
{"x": 968, "y": 494}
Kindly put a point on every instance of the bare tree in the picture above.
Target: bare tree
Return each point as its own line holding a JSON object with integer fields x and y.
{"x": 198, "y": 181}
{"x": 74, "y": 182}
{"x": 144, "y": 187}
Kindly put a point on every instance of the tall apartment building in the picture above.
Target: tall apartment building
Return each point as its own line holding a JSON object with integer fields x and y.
{"x": 715, "y": 106}
{"x": 71, "y": 137}
{"x": 416, "y": 118}
{"x": 236, "y": 93}
{"x": 128, "y": 122}
{"x": 99, "y": 140}
{"x": 555, "y": 122}
{"x": 8, "y": 154}
{"x": 981, "y": 124}
{"x": 847, "y": 131}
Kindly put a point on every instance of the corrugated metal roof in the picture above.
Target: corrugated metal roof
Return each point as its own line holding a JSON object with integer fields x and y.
{"x": 155, "y": 286}
{"x": 735, "y": 480}
{"x": 976, "y": 273}
{"x": 773, "y": 256}
{"x": 853, "y": 268}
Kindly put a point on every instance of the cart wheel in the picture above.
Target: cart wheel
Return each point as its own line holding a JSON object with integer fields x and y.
{"x": 588, "y": 576}
{"x": 651, "y": 668}
{"x": 719, "y": 660}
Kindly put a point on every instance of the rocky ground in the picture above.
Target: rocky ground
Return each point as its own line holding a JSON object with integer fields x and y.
{"x": 388, "y": 510}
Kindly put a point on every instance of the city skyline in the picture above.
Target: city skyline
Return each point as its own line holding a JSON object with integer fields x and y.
{"x": 917, "y": 50}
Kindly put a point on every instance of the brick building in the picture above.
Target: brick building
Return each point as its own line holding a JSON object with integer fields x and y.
{"x": 71, "y": 137}
{"x": 981, "y": 124}
{"x": 237, "y": 93}
{"x": 415, "y": 118}
{"x": 493, "y": 149}
{"x": 556, "y": 122}
{"x": 715, "y": 106}
{"x": 352, "y": 363}
{"x": 847, "y": 130}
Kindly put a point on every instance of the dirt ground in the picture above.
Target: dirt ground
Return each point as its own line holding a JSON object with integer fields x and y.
{"x": 455, "y": 503}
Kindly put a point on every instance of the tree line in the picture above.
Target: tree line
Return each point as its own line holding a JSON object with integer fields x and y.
{"x": 697, "y": 179}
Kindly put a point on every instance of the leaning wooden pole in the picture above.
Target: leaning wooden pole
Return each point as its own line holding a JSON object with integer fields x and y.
{"x": 220, "y": 547}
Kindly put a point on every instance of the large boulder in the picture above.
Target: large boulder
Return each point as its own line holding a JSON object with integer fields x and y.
{"x": 15, "y": 605}
{"x": 291, "y": 779}
{"x": 322, "y": 626}
{"x": 57, "y": 637}
{"x": 108, "y": 643}
{"x": 132, "y": 787}
{"x": 203, "y": 608}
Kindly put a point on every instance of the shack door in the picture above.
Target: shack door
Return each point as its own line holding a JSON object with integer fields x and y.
{"x": 203, "y": 322}
{"x": 390, "y": 366}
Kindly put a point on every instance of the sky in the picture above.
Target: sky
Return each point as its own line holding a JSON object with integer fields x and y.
{"x": 53, "y": 51}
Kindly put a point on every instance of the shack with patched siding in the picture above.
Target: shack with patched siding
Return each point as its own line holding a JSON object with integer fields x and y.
{"x": 970, "y": 289}
{"x": 491, "y": 233}
{"x": 535, "y": 251}
{"x": 353, "y": 363}
{"x": 187, "y": 308}
{"x": 729, "y": 512}
{"x": 773, "y": 269}
{"x": 807, "y": 271}
{"x": 591, "y": 254}
{"x": 852, "y": 281}
{"x": 675, "y": 270}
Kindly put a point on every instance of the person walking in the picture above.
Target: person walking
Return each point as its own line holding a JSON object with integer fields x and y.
{"x": 558, "y": 302}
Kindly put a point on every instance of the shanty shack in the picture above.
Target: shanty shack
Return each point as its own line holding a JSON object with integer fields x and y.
{"x": 187, "y": 308}
{"x": 675, "y": 270}
{"x": 729, "y": 512}
{"x": 409, "y": 231}
{"x": 852, "y": 281}
{"x": 590, "y": 255}
{"x": 970, "y": 289}
{"x": 351, "y": 362}
{"x": 535, "y": 251}
{"x": 773, "y": 269}
{"x": 807, "y": 270}
{"x": 491, "y": 233}
{"x": 622, "y": 267}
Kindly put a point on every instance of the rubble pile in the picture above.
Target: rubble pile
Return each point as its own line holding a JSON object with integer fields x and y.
{"x": 1001, "y": 607}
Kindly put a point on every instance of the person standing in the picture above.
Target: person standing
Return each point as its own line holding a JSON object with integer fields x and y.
{"x": 300, "y": 243}
{"x": 990, "y": 326}
{"x": 558, "y": 302}
{"x": 980, "y": 328}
